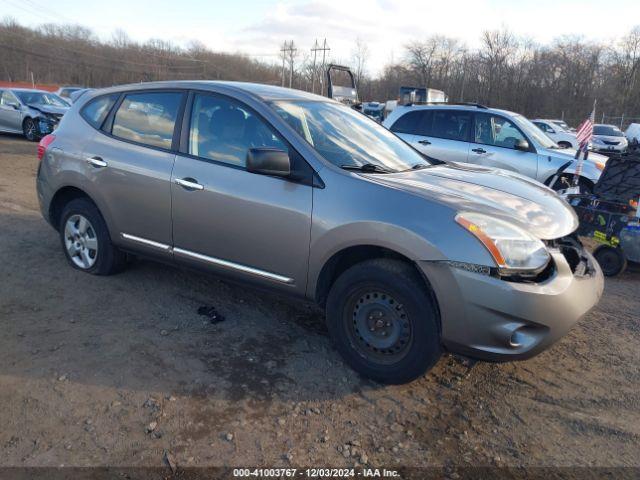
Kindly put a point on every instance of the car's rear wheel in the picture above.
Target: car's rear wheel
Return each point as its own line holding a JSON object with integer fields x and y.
{"x": 86, "y": 241}
{"x": 30, "y": 129}
{"x": 564, "y": 144}
{"x": 383, "y": 321}
{"x": 612, "y": 260}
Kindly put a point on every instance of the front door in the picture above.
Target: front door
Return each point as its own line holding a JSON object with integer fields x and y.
{"x": 255, "y": 227}
{"x": 494, "y": 145}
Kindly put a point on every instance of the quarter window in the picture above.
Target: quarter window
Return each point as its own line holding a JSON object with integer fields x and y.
{"x": 97, "y": 109}
{"x": 496, "y": 131}
{"x": 148, "y": 118}
{"x": 224, "y": 130}
{"x": 451, "y": 124}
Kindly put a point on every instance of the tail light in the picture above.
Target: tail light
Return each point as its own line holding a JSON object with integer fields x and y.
{"x": 44, "y": 143}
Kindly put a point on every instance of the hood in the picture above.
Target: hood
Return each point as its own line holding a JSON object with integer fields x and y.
{"x": 506, "y": 195}
{"x": 48, "y": 108}
{"x": 610, "y": 138}
{"x": 571, "y": 153}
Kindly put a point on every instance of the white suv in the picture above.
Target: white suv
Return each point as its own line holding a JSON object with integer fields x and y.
{"x": 556, "y": 133}
{"x": 473, "y": 133}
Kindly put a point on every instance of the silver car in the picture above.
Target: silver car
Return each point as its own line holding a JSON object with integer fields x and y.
{"x": 490, "y": 137}
{"x": 34, "y": 113}
{"x": 609, "y": 139}
{"x": 294, "y": 192}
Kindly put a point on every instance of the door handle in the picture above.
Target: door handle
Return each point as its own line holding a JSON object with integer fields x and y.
{"x": 424, "y": 142}
{"x": 96, "y": 162}
{"x": 479, "y": 150}
{"x": 189, "y": 183}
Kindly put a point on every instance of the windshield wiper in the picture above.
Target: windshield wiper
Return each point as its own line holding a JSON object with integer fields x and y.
{"x": 420, "y": 166}
{"x": 367, "y": 168}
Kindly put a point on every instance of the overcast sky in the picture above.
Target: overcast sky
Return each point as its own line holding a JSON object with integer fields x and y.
{"x": 258, "y": 28}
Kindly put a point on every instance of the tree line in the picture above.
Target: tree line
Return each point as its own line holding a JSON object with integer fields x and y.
{"x": 561, "y": 79}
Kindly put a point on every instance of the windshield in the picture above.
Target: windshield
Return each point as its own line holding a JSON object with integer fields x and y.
{"x": 607, "y": 130}
{"x": 562, "y": 125}
{"x": 345, "y": 137}
{"x": 41, "y": 98}
{"x": 533, "y": 132}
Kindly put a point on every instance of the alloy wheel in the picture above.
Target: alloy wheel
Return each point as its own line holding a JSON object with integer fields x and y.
{"x": 81, "y": 241}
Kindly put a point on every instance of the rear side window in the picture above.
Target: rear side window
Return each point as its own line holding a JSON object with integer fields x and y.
{"x": 417, "y": 122}
{"x": 451, "y": 124}
{"x": 225, "y": 130}
{"x": 148, "y": 118}
{"x": 97, "y": 109}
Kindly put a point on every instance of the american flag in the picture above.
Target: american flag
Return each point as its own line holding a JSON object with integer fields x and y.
{"x": 585, "y": 131}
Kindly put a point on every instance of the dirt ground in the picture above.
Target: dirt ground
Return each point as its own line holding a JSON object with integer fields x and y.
{"x": 116, "y": 371}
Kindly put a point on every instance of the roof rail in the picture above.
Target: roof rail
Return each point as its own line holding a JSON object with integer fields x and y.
{"x": 468, "y": 104}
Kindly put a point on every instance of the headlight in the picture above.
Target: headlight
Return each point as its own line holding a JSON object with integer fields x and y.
{"x": 511, "y": 247}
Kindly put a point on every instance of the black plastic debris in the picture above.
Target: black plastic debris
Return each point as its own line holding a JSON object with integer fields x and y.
{"x": 211, "y": 314}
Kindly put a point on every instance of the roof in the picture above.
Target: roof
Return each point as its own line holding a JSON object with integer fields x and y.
{"x": 26, "y": 90}
{"x": 262, "y": 91}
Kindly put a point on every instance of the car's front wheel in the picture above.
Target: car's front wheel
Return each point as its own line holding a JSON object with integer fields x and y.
{"x": 30, "y": 129}
{"x": 383, "y": 321}
{"x": 86, "y": 241}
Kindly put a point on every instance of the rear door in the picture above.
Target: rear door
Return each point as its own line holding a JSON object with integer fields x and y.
{"x": 130, "y": 161}
{"x": 254, "y": 227}
{"x": 493, "y": 145}
{"x": 449, "y": 135}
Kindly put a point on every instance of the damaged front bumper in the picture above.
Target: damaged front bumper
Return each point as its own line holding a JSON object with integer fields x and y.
{"x": 498, "y": 319}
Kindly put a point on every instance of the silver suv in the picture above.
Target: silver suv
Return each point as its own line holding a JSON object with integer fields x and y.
{"x": 473, "y": 133}
{"x": 298, "y": 193}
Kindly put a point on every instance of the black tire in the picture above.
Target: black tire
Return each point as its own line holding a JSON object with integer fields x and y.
{"x": 612, "y": 260}
{"x": 30, "y": 130}
{"x": 404, "y": 303}
{"x": 108, "y": 258}
{"x": 564, "y": 144}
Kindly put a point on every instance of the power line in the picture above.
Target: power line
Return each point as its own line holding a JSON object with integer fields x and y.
{"x": 315, "y": 49}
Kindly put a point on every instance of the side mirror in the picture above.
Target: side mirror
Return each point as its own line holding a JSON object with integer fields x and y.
{"x": 269, "y": 161}
{"x": 522, "y": 145}
{"x": 15, "y": 106}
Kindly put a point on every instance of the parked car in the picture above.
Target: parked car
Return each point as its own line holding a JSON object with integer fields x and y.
{"x": 564, "y": 125}
{"x": 632, "y": 133}
{"x": 78, "y": 93}
{"x": 298, "y": 193}
{"x": 555, "y": 132}
{"x": 489, "y": 137}
{"x": 33, "y": 113}
{"x": 375, "y": 110}
{"x": 65, "y": 92}
{"x": 609, "y": 139}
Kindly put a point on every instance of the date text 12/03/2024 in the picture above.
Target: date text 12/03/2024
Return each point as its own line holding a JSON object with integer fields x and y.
{"x": 315, "y": 473}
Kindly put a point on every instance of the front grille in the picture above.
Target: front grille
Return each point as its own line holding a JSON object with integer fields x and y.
{"x": 608, "y": 142}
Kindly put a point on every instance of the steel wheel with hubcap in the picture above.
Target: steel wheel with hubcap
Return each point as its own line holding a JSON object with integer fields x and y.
{"x": 30, "y": 130}
{"x": 81, "y": 241}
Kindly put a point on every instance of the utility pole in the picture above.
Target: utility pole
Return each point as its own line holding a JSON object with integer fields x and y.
{"x": 324, "y": 49}
{"x": 288, "y": 49}
{"x": 314, "y": 49}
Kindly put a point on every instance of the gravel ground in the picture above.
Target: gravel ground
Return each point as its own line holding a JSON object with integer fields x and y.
{"x": 116, "y": 371}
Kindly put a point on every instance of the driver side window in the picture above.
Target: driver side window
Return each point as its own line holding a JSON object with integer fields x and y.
{"x": 496, "y": 131}
{"x": 224, "y": 130}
